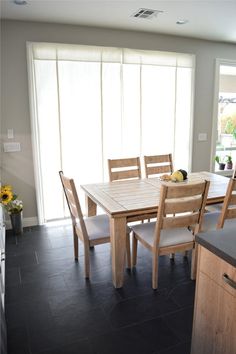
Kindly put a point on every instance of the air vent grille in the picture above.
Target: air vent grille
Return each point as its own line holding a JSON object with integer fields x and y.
{"x": 146, "y": 13}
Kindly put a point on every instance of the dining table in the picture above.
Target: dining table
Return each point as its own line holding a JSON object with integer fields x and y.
{"x": 128, "y": 200}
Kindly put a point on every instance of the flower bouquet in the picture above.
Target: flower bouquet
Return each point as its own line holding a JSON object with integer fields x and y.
{"x": 13, "y": 207}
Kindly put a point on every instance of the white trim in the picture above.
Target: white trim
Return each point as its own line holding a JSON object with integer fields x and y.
{"x": 191, "y": 126}
{"x": 175, "y": 110}
{"x": 34, "y": 134}
{"x": 218, "y": 62}
{"x": 26, "y": 222}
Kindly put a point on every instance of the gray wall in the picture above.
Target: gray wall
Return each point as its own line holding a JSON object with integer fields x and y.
{"x": 17, "y": 168}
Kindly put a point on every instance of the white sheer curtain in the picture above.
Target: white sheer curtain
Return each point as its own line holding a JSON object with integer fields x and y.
{"x": 94, "y": 103}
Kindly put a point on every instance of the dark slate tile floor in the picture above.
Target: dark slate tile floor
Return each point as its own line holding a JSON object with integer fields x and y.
{"x": 52, "y": 309}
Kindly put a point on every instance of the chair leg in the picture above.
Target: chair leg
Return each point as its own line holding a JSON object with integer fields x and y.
{"x": 86, "y": 261}
{"x": 154, "y": 270}
{"x": 76, "y": 245}
{"x": 194, "y": 262}
{"x": 134, "y": 250}
{"x": 128, "y": 256}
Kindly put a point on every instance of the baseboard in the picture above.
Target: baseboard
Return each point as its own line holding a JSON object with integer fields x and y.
{"x": 26, "y": 222}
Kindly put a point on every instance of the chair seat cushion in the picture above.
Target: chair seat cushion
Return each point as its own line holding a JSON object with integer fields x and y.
{"x": 97, "y": 226}
{"x": 210, "y": 222}
{"x": 169, "y": 237}
{"x": 214, "y": 207}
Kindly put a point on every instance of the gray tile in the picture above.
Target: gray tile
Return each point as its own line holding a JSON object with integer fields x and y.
{"x": 52, "y": 309}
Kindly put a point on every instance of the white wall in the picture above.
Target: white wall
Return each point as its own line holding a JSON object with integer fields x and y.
{"x": 17, "y": 168}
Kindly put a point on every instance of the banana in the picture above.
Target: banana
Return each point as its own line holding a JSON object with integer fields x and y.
{"x": 177, "y": 176}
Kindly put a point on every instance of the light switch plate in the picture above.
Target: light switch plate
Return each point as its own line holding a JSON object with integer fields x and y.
{"x": 202, "y": 137}
{"x": 11, "y": 147}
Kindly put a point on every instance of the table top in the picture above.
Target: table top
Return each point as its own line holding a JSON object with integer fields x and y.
{"x": 135, "y": 197}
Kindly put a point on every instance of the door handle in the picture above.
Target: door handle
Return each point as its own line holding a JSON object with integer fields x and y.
{"x": 229, "y": 281}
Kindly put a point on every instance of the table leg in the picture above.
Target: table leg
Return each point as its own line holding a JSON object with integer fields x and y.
{"x": 118, "y": 248}
{"x": 91, "y": 207}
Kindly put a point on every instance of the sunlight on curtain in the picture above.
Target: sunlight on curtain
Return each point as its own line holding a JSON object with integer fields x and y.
{"x": 111, "y": 111}
{"x": 49, "y": 137}
{"x": 183, "y": 122}
{"x": 95, "y": 103}
{"x": 158, "y": 109}
{"x": 80, "y": 119}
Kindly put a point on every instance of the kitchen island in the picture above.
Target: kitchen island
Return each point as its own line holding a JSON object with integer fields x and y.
{"x": 214, "y": 325}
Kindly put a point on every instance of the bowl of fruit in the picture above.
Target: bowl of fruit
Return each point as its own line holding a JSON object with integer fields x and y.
{"x": 176, "y": 176}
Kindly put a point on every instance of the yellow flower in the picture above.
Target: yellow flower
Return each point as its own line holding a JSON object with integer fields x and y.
{"x": 6, "y": 187}
{"x": 6, "y": 196}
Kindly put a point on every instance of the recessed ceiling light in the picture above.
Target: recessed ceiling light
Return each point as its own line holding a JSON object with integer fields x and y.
{"x": 181, "y": 22}
{"x": 20, "y": 2}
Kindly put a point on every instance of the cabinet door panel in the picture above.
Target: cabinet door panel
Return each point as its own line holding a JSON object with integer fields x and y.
{"x": 214, "y": 319}
{"x": 215, "y": 267}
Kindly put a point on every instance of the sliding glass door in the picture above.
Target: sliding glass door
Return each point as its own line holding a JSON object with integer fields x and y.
{"x": 93, "y": 103}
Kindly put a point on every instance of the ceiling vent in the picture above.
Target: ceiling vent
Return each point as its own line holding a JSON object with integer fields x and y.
{"x": 146, "y": 13}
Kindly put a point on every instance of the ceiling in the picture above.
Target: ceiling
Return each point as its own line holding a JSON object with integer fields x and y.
{"x": 212, "y": 19}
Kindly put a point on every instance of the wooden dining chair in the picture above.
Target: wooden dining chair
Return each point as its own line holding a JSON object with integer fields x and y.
{"x": 218, "y": 206}
{"x": 127, "y": 168}
{"x": 226, "y": 217}
{"x": 124, "y": 169}
{"x": 91, "y": 231}
{"x": 181, "y": 206}
{"x": 158, "y": 164}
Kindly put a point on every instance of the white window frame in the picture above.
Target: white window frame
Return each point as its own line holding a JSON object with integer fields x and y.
{"x": 218, "y": 63}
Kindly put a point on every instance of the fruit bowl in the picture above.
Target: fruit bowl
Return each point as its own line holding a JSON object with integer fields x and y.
{"x": 176, "y": 176}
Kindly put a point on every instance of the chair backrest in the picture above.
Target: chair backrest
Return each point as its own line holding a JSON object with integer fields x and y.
{"x": 229, "y": 206}
{"x": 180, "y": 206}
{"x": 128, "y": 168}
{"x": 73, "y": 203}
{"x": 158, "y": 164}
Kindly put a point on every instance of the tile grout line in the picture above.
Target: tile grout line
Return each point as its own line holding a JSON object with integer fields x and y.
{"x": 19, "y": 272}
{"x": 36, "y": 256}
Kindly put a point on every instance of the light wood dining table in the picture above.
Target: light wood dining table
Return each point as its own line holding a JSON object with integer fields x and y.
{"x": 122, "y": 200}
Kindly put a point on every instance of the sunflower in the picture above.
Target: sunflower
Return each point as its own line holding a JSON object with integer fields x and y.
{"x": 6, "y": 196}
{"x": 6, "y": 187}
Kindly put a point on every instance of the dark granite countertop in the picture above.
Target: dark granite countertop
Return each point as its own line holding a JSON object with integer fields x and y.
{"x": 220, "y": 242}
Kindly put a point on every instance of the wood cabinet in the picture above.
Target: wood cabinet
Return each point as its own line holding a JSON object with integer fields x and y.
{"x": 214, "y": 324}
